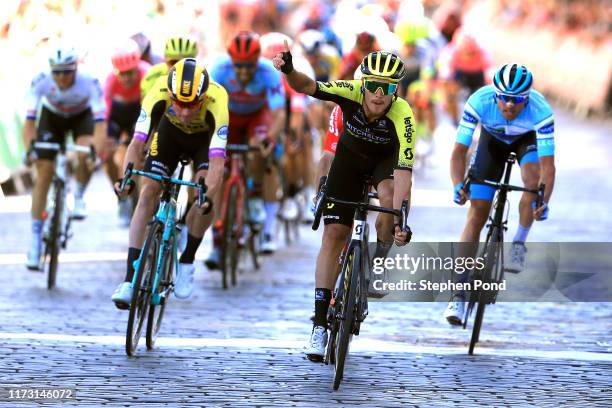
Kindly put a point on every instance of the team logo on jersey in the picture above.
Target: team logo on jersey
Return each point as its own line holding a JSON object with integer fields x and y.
{"x": 143, "y": 116}
{"x": 548, "y": 129}
{"x": 408, "y": 127}
{"x": 469, "y": 118}
{"x": 222, "y": 133}
{"x": 408, "y": 154}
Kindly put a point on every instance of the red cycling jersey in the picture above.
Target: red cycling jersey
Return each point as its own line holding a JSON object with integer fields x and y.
{"x": 333, "y": 131}
{"x": 115, "y": 91}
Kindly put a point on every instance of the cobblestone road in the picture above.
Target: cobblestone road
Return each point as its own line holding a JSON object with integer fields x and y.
{"x": 242, "y": 347}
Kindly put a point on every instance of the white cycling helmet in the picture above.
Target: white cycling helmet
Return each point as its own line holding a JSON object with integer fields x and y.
{"x": 63, "y": 58}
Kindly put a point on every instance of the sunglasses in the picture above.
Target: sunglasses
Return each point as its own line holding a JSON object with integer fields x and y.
{"x": 386, "y": 87}
{"x": 63, "y": 72}
{"x": 247, "y": 65}
{"x": 509, "y": 98}
{"x": 186, "y": 105}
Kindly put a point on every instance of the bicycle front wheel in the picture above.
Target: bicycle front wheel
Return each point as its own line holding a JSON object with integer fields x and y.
{"x": 346, "y": 312}
{"x": 156, "y": 312}
{"x": 55, "y": 229}
{"x": 141, "y": 290}
{"x": 229, "y": 247}
{"x": 492, "y": 255}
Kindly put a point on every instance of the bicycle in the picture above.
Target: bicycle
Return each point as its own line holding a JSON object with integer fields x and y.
{"x": 232, "y": 218}
{"x": 349, "y": 305}
{"x": 58, "y": 232}
{"x": 492, "y": 252}
{"x": 153, "y": 280}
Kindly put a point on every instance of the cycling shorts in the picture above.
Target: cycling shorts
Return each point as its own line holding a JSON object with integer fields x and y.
{"x": 52, "y": 128}
{"x": 489, "y": 160}
{"x": 243, "y": 128}
{"x": 122, "y": 119}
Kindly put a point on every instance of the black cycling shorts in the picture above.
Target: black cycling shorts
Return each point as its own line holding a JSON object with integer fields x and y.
{"x": 170, "y": 143}
{"x": 122, "y": 119}
{"x": 471, "y": 80}
{"x": 489, "y": 160}
{"x": 346, "y": 177}
{"x": 52, "y": 128}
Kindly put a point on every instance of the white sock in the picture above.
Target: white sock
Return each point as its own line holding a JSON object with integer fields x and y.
{"x": 80, "y": 190}
{"x": 521, "y": 234}
{"x": 271, "y": 211}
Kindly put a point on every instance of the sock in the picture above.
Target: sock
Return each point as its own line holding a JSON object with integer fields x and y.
{"x": 322, "y": 300}
{"x": 292, "y": 190}
{"x": 37, "y": 227}
{"x": 80, "y": 189}
{"x": 382, "y": 249}
{"x": 216, "y": 237}
{"x": 183, "y": 219}
{"x": 133, "y": 254}
{"x": 521, "y": 234}
{"x": 271, "y": 212}
{"x": 188, "y": 254}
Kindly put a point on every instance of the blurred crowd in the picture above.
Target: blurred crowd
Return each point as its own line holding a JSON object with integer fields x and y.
{"x": 590, "y": 19}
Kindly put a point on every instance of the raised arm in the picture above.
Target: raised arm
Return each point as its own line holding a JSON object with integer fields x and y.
{"x": 297, "y": 80}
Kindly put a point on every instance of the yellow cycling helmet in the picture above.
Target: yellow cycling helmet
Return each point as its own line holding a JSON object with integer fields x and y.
{"x": 383, "y": 65}
{"x": 188, "y": 81}
{"x": 180, "y": 47}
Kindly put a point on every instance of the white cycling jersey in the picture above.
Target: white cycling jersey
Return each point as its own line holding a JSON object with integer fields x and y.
{"x": 85, "y": 93}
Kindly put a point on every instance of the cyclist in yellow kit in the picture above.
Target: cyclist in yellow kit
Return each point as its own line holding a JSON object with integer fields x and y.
{"x": 176, "y": 49}
{"x": 190, "y": 114}
{"x": 377, "y": 141}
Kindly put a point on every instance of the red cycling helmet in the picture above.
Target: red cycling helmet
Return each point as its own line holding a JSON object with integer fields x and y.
{"x": 126, "y": 56}
{"x": 244, "y": 46}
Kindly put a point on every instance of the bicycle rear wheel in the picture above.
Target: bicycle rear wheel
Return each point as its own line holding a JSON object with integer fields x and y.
{"x": 229, "y": 247}
{"x": 156, "y": 312}
{"x": 491, "y": 253}
{"x": 141, "y": 290}
{"x": 55, "y": 229}
{"x": 346, "y": 312}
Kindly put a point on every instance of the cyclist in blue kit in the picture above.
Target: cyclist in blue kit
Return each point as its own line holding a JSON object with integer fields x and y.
{"x": 514, "y": 118}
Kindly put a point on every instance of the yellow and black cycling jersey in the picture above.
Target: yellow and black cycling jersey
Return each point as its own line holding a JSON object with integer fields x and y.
{"x": 394, "y": 133}
{"x": 212, "y": 119}
{"x": 153, "y": 74}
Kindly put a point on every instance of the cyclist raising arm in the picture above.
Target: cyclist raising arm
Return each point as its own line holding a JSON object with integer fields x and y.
{"x": 190, "y": 113}
{"x": 377, "y": 141}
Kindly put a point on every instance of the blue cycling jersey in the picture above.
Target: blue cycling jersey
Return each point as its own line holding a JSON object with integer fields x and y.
{"x": 264, "y": 88}
{"x": 482, "y": 108}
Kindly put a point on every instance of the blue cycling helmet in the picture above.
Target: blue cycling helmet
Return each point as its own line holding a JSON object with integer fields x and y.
{"x": 513, "y": 79}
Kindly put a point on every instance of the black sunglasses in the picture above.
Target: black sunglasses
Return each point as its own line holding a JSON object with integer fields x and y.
{"x": 247, "y": 65}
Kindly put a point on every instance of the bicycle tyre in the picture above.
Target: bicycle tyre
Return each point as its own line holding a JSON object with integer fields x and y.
{"x": 156, "y": 312}
{"x": 491, "y": 252}
{"x": 141, "y": 291}
{"x": 53, "y": 245}
{"x": 229, "y": 247}
{"x": 347, "y": 313}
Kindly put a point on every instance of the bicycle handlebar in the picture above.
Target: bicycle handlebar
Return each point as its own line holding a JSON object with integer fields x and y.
{"x": 240, "y": 148}
{"x": 89, "y": 150}
{"x": 539, "y": 192}
{"x": 165, "y": 180}
{"x": 322, "y": 199}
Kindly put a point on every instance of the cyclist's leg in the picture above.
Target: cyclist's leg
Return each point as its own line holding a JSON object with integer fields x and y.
{"x": 50, "y": 129}
{"x": 528, "y": 159}
{"x": 487, "y": 163}
{"x": 162, "y": 159}
{"x": 345, "y": 181}
{"x": 83, "y": 129}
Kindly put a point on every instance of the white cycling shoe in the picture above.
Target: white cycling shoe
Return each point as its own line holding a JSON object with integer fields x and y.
{"x": 122, "y": 297}
{"x": 454, "y": 312}
{"x": 315, "y": 348}
{"x": 183, "y": 287}
{"x": 80, "y": 211}
{"x": 517, "y": 257}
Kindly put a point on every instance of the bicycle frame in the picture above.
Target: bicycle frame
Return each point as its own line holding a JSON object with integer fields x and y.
{"x": 235, "y": 178}
{"x": 166, "y": 215}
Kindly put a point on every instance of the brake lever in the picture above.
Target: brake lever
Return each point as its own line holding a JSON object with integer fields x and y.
{"x": 127, "y": 174}
{"x": 540, "y": 196}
